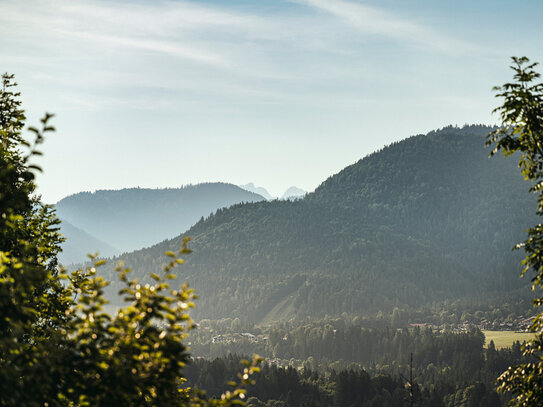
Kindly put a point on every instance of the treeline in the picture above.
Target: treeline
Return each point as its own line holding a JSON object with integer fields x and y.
{"x": 319, "y": 345}
{"x": 425, "y": 220}
{"x": 335, "y": 358}
{"x": 286, "y": 386}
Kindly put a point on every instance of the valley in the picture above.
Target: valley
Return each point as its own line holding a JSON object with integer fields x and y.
{"x": 274, "y": 203}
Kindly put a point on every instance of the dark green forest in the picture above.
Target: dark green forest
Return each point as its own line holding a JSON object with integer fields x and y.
{"x": 422, "y": 222}
{"x": 332, "y": 341}
{"x": 448, "y": 368}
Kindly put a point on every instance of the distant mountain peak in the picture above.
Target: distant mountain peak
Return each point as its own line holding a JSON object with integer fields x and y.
{"x": 251, "y": 187}
{"x": 293, "y": 192}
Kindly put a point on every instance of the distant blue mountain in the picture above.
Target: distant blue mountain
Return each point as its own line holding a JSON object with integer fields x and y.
{"x": 130, "y": 219}
{"x": 79, "y": 244}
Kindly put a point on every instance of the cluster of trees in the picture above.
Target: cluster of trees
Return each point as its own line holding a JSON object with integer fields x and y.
{"x": 288, "y": 387}
{"x": 448, "y": 358}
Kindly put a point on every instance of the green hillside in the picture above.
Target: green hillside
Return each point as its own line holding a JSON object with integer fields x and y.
{"x": 133, "y": 218}
{"x": 424, "y": 220}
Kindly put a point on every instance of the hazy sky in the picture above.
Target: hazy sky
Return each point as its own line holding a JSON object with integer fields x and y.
{"x": 279, "y": 93}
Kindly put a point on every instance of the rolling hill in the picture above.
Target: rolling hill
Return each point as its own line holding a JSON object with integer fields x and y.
{"x": 425, "y": 220}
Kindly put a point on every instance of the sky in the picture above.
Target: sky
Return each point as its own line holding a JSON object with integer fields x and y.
{"x": 279, "y": 93}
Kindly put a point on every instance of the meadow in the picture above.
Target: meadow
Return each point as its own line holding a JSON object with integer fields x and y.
{"x": 505, "y": 339}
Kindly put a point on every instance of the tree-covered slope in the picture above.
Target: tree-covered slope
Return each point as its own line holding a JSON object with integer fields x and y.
{"x": 423, "y": 220}
{"x": 133, "y": 218}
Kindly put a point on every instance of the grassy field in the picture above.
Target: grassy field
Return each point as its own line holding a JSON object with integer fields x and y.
{"x": 504, "y": 339}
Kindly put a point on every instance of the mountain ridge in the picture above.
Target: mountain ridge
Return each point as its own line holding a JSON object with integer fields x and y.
{"x": 132, "y": 218}
{"x": 424, "y": 220}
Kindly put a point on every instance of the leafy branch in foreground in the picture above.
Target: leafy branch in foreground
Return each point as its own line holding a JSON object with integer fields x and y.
{"x": 136, "y": 356}
{"x": 58, "y": 347}
{"x": 522, "y": 131}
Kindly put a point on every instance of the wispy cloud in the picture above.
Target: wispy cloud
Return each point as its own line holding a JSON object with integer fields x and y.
{"x": 178, "y": 29}
{"x": 210, "y": 50}
{"x": 372, "y": 20}
{"x": 160, "y": 46}
{"x": 162, "y": 16}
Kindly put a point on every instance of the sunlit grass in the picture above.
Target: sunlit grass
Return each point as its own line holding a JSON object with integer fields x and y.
{"x": 504, "y": 339}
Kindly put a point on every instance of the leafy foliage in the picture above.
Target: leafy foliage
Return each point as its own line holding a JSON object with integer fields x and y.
{"x": 57, "y": 345}
{"x": 33, "y": 302}
{"x": 522, "y": 132}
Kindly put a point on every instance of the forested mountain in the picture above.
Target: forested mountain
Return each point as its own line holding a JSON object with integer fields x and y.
{"x": 133, "y": 218}
{"x": 427, "y": 219}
